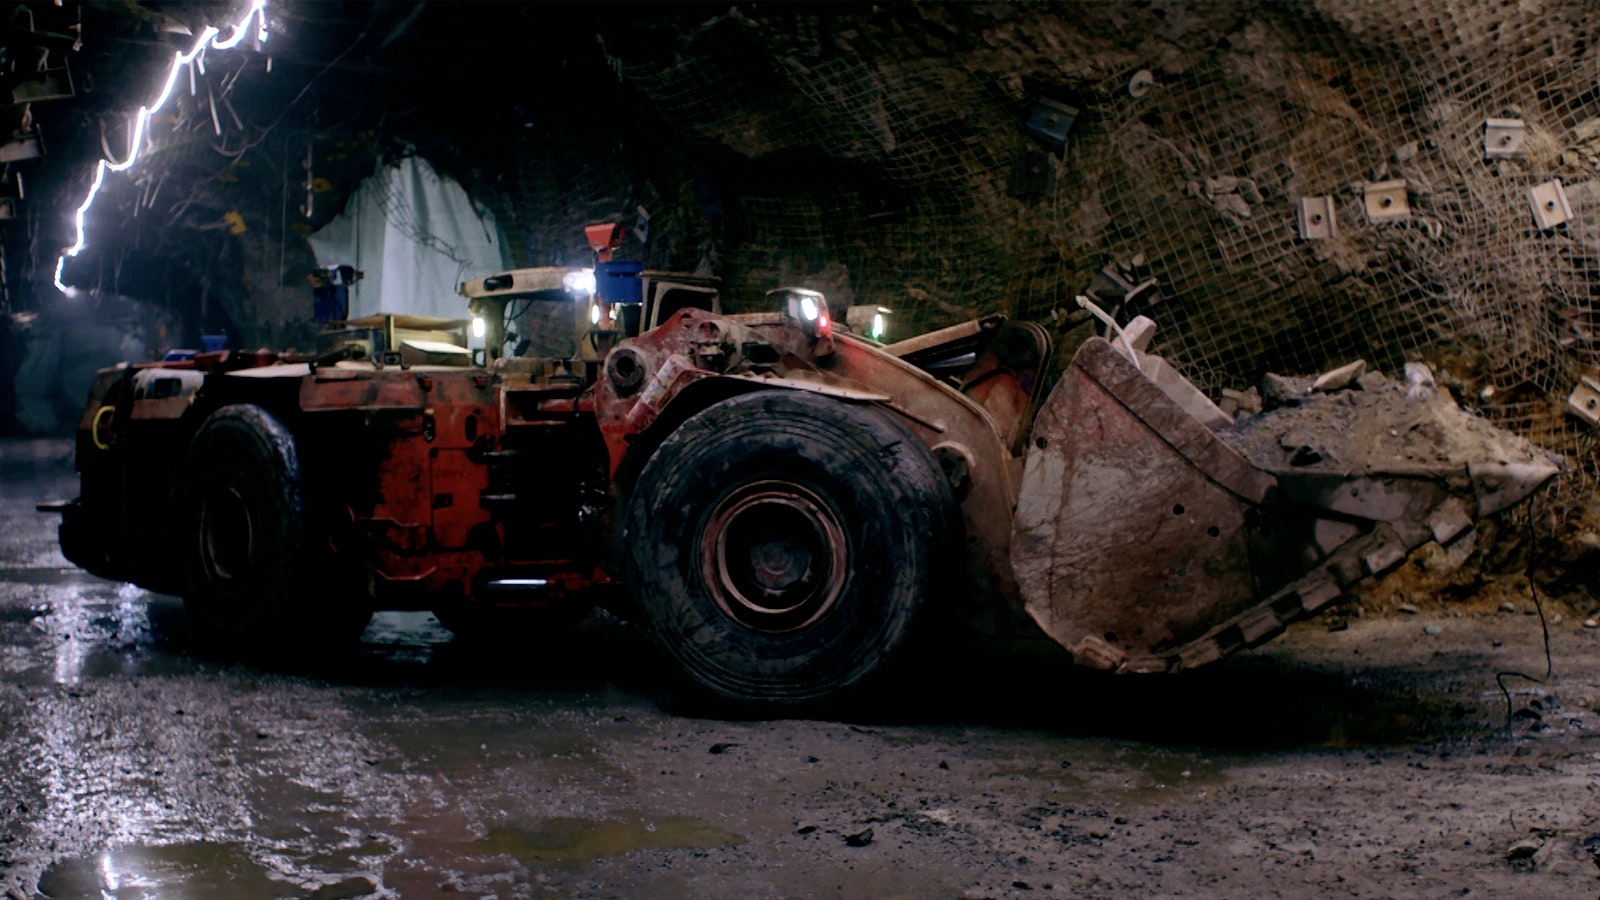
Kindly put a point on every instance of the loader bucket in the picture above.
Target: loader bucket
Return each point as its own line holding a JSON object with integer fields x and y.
{"x": 1153, "y": 534}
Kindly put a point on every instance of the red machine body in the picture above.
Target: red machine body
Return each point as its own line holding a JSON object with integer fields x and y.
{"x": 783, "y": 504}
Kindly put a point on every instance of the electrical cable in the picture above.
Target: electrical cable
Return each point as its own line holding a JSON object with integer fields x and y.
{"x": 1544, "y": 625}
{"x": 508, "y": 318}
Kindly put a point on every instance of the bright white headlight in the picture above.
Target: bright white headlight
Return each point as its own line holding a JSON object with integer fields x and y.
{"x": 579, "y": 282}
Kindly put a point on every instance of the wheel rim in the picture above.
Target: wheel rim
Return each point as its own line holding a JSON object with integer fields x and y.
{"x": 227, "y": 533}
{"x": 774, "y": 556}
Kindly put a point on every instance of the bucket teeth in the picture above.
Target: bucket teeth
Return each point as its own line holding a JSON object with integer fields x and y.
{"x": 1146, "y": 541}
{"x": 1502, "y": 485}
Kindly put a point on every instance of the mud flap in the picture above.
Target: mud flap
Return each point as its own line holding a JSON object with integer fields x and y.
{"x": 1135, "y": 525}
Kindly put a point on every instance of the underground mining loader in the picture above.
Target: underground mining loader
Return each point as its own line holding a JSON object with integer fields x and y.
{"x": 784, "y": 502}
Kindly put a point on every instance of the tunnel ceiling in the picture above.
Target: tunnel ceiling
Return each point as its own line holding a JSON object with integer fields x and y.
{"x": 263, "y": 146}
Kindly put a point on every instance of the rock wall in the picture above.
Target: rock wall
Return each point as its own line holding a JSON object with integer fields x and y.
{"x": 883, "y": 154}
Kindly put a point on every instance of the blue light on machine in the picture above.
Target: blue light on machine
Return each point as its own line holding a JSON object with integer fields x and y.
{"x": 141, "y": 120}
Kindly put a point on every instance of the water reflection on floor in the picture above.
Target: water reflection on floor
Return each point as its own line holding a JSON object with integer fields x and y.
{"x": 188, "y": 871}
{"x": 415, "y": 761}
{"x": 135, "y": 764}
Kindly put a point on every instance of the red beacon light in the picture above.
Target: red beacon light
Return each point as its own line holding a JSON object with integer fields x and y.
{"x": 603, "y": 239}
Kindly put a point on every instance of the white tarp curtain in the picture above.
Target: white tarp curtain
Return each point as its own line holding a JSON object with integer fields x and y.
{"x": 416, "y": 235}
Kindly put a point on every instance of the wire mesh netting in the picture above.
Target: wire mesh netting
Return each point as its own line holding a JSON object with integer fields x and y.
{"x": 883, "y": 158}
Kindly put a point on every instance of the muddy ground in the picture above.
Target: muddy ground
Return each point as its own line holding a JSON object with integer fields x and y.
{"x": 1369, "y": 761}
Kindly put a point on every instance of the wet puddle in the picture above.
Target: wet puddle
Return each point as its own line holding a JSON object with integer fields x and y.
{"x": 403, "y": 638}
{"x": 70, "y": 634}
{"x": 195, "y": 871}
{"x": 570, "y": 843}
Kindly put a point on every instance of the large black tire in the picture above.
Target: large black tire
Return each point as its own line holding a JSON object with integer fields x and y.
{"x": 782, "y": 545}
{"x": 250, "y": 574}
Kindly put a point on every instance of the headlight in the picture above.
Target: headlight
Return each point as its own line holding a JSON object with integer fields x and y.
{"x": 869, "y": 319}
{"x": 580, "y": 282}
{"x": 808, "y": 307}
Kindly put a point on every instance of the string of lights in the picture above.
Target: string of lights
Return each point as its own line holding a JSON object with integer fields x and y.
{"x": 210, "y": 39}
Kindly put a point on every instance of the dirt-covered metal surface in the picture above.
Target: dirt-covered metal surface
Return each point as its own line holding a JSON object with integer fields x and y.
{"x": 1145, "y": 542}
{"x": 1374, "y": 425}
{"x": 1365, "y": 761}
